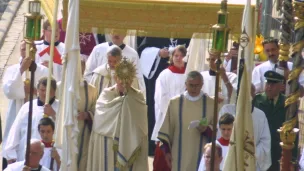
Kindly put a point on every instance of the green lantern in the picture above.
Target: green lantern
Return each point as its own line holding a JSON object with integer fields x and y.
{"x": 220, "y": 31}
{"x": 33, "y": 20}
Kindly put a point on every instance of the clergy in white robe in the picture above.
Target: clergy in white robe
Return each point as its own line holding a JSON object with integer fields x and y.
{"x": 52, "y": 156}
{"x": 103, "y": 76}
{"x": 228, "y": 82}
{"x": 170, "y": 83}
{"x": 119, "y": 135}
{"x": 16, "y": 141}
{"x": 16, "y": 90}
{"x": 262, "y": 136}
{"x": 183, "y": 145}
{"x": 99, "y": 57}
{"x": 36, "y": 150}
{"x": 271, "y": 49}
{"x": 43, "y": 50}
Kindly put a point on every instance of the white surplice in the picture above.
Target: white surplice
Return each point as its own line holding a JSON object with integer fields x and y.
{"x": 209, "y": 86}
{"x": 258, "y": 79}
{"x": 46, "y": 159}
{"x": 18, "y": 166}
{"x": 225, "y": 149}
{"x": 13, "y": 88}
{"x": 103, "y": 77}
{"x": 99, "y": 56}
{"x": 168, "y": 85}
{"x": 16, "y": 141}
{"x": 262, "y": 136}
{"x": 40, "y": 58}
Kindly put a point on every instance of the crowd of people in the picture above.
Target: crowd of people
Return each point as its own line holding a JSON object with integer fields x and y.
{"x": 140, "y": 102}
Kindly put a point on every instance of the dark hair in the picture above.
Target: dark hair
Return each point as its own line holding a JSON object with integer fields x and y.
{"x": 45, "y": 122}
{"x": 270, "y": 40}
{"x": 226, "y": 119}
{"x": 235, "y": 46}
{"x": 46, "y": 24}
{"x": 43, "y": 81}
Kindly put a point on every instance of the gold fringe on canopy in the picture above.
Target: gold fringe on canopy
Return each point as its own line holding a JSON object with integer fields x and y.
{"x": 158, "y": 18}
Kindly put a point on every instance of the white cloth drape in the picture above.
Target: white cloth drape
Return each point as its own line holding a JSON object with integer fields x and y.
{"x": 67, "y": 124}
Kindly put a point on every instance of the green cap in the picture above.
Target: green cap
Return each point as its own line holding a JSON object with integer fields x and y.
{"x": 273, "y": 77}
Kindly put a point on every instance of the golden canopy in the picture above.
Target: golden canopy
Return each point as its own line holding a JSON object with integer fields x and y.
{"x": 160, "y": 18}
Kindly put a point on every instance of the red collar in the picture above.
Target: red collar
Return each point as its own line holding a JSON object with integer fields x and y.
{"x": 176, "y": 70}
{"x": 47, "y": 144}
{"x": 223, "y": 142}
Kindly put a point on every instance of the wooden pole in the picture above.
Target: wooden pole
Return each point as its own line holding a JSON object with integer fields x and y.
{"x": 52, "y": 46}
{"x": 215, "y": 111}
{"x": 32, "y": 69}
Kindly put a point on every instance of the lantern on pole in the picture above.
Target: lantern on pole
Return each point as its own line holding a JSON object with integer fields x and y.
{"x": 32, "y": 30}
{"x": 220, "y": 35}
{"x": 32, "y": 33}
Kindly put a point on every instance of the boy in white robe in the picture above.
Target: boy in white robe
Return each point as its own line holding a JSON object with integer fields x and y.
{"x": 43, "y": 50}
{"x": 261, "y": 130}
{"x": 46, "y": 129}
{"x": 36, "y": 153}
{"x": 103, "y": 76}
{"x": 16, "y": 141}
{"x": 98, "y": 57}
{"x": 183, "y": 146}
{"x": 225, "y": 127}
{"x": 228, "y": 82}
{"x": 16, "y": 89}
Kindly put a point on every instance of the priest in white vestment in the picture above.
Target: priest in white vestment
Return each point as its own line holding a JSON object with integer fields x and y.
{"x": 228, "y": 82}
{"x": 261, "y": 130}
{"x": 119, "y": 138}
{"x": 52, "y": 155}
{"x": 98, "y": 57}
{"x": 170, "y": 83}
{"x": 36, "y": 150}
{"x": 14, "y": 149}
{"x": 182, "y": 145}
{"x": 16, "y": 89}
{"x": 271, "y": 49}
{"x": 103, "y": 76}
{"x": 43, "y": 50}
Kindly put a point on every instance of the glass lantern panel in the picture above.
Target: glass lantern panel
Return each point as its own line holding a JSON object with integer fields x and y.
{"x": 220, "y": 38}
{"x": 37, "y": 7}
{"x": 30, "y": 28}
{"x": 30, "y": 7}
{"x": 222, "y": 19}
{"x": 37, "y": 30}
{"x": 226, "y": 41}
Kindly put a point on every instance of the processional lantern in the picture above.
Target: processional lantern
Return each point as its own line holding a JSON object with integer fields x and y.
{"x": 33, "y": 20}
{"x": 220, "y": 35}
{"x": 32, "y": 30}
{"x": 32, "y": 33}
{"x": 220, "y": 31}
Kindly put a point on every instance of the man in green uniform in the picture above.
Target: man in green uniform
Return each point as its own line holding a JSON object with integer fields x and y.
{"x": 271, "y": 102}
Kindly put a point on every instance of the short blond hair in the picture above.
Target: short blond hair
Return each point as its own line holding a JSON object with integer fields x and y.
{"x": 218, "y": 149}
